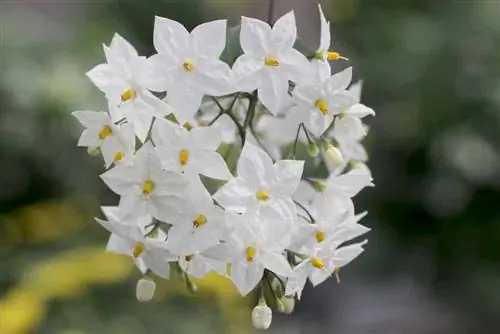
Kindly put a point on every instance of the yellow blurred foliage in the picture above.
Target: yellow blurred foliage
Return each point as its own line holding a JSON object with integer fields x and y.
{"x": 71, "y": 273}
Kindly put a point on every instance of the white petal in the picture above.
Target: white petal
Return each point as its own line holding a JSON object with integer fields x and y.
{"x": 89, "y": 138}
{"x": 186, "y": 101}
{"x": 121, "y": 179}
{"x": 209, "y": 39}
{"x": 247, "y": 71}
{"x": 104, "y": 78}
{"x": 89, "y": 118}
{"x": 339, "y": 81}
{"x": 284, "y": 32}
{"x": 296, "y": 282}
{"x": 123, "y": 48}
{"x": 170, "y": 37}
{"x": 207, "y": 138}
{"x": 350, "y": 183}
{"x": 246, "y": 277}
{"x": 119, "y": 245}
{"x": 289, "y": 174}
{"x": 346, "y": 254}
{"x": 325, "y": 31}
{"x": 297, "y": 67}
{"x": 254, "y": 164}
{"x": 360, "y": 110}
{"x": 234, "y": 195}
{"x": 168, "y": 134}
{"x": 255, "y": 36}
{"x": 276, "y": 263}
{"x": 211, "y": 164}
{"x": 158, "y": 262}
{"x": 215, "y": 78}
{"x": 157, "y": 73}
{"x": 318, "y": 276}
{"x": 273, "y": 92}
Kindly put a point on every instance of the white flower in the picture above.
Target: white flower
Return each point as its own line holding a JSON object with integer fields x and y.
{"x": 269, "y": 60}
{"x": 187, "y": 65}
{"x": 257, "y": 243}
{"x": 323, "y": 55}
{"x": 261, "y": 185}
{"x": 321, "y": 264}
{"x": 147, "y": 252}
{"x": 121, "y": 80}
{"x": 317, "y": 103}
{"x": 145, "y": 188}
{"x": 190, "y": 152}
{"x": 145, "y": 289}
{"x": 204, "y": 226}
{"x": 262, "y": 316}
{"x": 329, "y": 223}
{"x": 114, "y": 141}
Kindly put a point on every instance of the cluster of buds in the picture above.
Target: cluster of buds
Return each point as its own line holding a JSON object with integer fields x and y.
{"x": 175, "y": 123}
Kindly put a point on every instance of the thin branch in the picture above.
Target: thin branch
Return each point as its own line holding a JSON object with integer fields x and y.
{"x": 305, "y": 210}
{"x": 296, "y": 140}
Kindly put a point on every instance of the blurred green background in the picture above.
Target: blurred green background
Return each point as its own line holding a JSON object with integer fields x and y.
{"x": 431, "y": 71}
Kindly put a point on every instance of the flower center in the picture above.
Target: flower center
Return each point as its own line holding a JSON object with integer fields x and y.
{"x": 320, "y": 236}
{"x": 138, "y": 249}
{"x": 199, "y": 221}
{"x": 188, "y": 65}
{"x": 183, "y": 157}
{"x": 105, "y": 132}
{"x": 262, "y": 195}
{"x": 189, "y": 257}
{"x": 250, "y": 253}
{"x": 147, "y": 187}
{"x": 322, "y": 106}
{"x": 272, "y": 61}
{"x": 317, "y": 263}
{"x": 118, "y": 156}
{"x": 127, "y": 95}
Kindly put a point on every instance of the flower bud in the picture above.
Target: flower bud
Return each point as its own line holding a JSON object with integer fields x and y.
{"x": 262, "y": 316}
{"x": 145, "y": 289}
{"x": 190, "y": 286}
{"x": 286, "y": 305}
{"x": 94, "y": 151}
{"x": 333, "y": 156}
{"x": 313, "y": 149}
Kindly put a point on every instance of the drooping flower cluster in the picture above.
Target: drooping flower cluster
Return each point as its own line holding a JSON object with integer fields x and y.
{"x": 176, "y": 120}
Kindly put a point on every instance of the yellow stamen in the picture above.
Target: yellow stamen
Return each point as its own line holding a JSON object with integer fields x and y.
{"x": 199, "y": 221}
{"x": 138, "y": 249}
{"x": 187, "y": 126}
{"x": 322, "y": 106}
{"x": 147, "y": 187}
{"x": 320, "y": 236}
{"x": 118, "y": 156}
{"x": 250, "y": 253}
{"x": 317, "y": 263}
{"x": 105, "y": 132}
{"x": 262, "y": 195}
{"x": 127, "y": 95}
{"x": 272, "y": 61}
{"x": 331, "y": 55}
{"x": 189, "y": 257}
{"x": 183, "y": 157}
{"x": 188, "y": 65}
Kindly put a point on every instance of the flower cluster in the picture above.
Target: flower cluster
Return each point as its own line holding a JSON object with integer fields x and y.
{"x": 176, "y": 122}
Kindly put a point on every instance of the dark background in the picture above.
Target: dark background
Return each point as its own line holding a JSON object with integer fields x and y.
{"x": 431, "y": 71}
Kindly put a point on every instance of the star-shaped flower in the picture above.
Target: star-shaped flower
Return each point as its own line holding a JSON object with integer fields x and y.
{"x": 191, "y": 152}
{"x": 121, "y": 80}
{"x": 187, "y": 65}
{"x": 269, "y": 60}
{"x": 145, "y": 188}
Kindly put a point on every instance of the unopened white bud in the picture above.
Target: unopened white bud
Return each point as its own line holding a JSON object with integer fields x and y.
{"x": 262, "y": 316}
{"x": 333, "y": 156}
{"x": 287, "y": 305}
{"x": 93, "y": 150}
{"x": 145, "y": 289}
